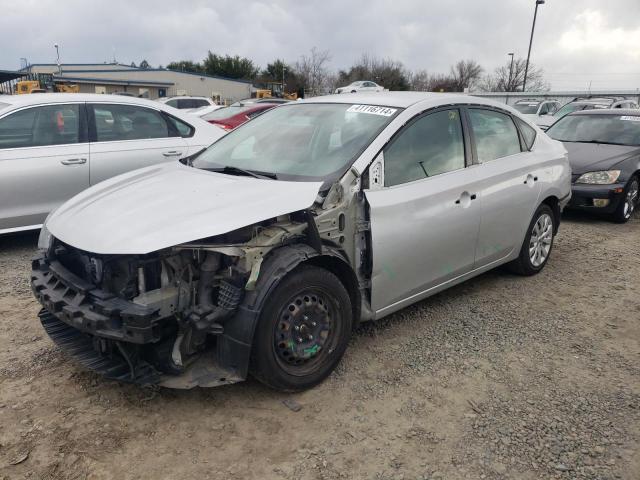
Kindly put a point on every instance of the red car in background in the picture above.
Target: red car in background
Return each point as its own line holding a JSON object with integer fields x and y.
{"x": 231, "y": 117}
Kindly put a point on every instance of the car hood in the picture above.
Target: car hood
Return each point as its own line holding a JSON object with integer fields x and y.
{"x": 169, "y": 204}
{"x": 590, "y": 157}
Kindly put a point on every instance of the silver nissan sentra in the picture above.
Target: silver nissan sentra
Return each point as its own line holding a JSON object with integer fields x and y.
{"x": 260, "y": 254}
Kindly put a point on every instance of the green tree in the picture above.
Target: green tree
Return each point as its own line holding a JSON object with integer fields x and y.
{"x": 230, "y": 66}
{"x": 388, "y": 73}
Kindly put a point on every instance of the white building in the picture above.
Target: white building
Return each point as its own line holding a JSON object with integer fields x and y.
{"x": 148, "y": 82}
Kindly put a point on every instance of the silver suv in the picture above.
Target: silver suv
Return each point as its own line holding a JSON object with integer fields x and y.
{"x": 261, "y": 253}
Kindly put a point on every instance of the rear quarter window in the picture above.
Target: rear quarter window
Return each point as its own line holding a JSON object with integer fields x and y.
{"x": 528, "y": 133}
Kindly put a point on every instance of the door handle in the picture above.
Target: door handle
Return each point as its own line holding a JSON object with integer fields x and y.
{"x": 530, "y": 178}
{"x": 172, "y": 153}
{"x": 73, "y": 161}
{"x": 466, "y": 198}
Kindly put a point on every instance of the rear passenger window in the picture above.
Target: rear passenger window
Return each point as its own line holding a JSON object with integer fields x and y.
{"x": 172, "y": 103}
{"x": 528, "y": 133}
{"x": 128, "y": 122}
{"x": 41, "y": 126}
{"x": 431, "y": 145}
{"x": 495, "y": 134}
{"x": 198, "y": 102}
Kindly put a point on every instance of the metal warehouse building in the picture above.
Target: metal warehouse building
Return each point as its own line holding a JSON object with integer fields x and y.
{"x": 148, "y": 82}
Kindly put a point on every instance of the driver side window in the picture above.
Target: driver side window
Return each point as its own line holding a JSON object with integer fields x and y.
{"x": 431, "y": 145}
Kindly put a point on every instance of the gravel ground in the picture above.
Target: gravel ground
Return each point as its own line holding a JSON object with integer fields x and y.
{"x": 501, "y": 377}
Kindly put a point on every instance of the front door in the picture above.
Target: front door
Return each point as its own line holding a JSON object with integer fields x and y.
{"x": 509, "y": 183}
{"x": 126, "y": 137}
{"x": 425, "y": 219}
{"x": 44, "y": 161}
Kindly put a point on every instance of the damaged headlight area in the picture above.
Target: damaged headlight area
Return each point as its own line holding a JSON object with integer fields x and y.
{"x": 159, "y": 318}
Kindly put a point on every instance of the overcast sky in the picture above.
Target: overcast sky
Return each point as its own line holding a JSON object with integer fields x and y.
{"x": 576, "y": 41}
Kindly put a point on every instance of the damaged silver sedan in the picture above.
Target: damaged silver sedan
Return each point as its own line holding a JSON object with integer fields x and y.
{"x": 260, "y": 254}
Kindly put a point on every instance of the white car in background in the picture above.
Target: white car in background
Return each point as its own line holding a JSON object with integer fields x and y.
{"x": 183, "y": 102}
{"x": 202, "y": 111}
{"x": 361, "y": 86}
{"x": 538, "y": 111}
{"x": 55, "y": 145}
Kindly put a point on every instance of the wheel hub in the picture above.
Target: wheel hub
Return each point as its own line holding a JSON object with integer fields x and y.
{"x": 541, "y": 238}
{"x": 303, "y": 328}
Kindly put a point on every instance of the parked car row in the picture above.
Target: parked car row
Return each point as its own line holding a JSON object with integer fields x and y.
{"x": 545, "y": 120}
{"x": 53, "y": 146}
{"x": 258, "y": 254}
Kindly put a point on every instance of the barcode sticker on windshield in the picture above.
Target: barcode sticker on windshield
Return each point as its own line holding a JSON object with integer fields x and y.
{"x": 372, "y": 109}
{"x": 630, "y": 117}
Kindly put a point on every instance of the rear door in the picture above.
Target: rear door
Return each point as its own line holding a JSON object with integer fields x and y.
{"x": 125, "y": 137}
{"x": 509, "y": 182}
{"x": 44, "y": 155}
{"x": 425, "y": 219}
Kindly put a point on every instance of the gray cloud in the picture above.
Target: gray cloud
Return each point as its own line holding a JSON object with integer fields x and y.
{"x": 575, "y": 42}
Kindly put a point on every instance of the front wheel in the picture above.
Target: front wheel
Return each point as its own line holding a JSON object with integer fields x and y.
{"x": 628, "y": 203}
{"x": 303, "y": 330}
{"x": 537, "y": 244}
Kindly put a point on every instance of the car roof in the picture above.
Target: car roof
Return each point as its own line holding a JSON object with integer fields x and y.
{"x": 164, "y": 99}
{"x": 18, "y": 101}
{"x": 609, "y": 111}
{"x": 402, "y": 99}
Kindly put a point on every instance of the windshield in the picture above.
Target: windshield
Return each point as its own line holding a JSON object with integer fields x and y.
{"x": 225, "y": 112}
{"x": 569, "y": 108}
{"x": 526, "y": 108}
{"x": 614, "y": 129}
{"x": 299, "y": 141}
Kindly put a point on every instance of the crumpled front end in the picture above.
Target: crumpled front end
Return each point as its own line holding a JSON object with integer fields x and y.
{"x": 160, "y": 318}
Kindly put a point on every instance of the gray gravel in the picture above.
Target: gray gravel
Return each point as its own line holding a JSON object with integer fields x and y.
{"x": 501, "y": 377}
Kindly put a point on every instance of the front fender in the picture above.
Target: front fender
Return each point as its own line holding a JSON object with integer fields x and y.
{"x": 234, "y": 345}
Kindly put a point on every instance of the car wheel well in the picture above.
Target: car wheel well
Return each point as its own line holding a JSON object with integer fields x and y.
{"x": 341, "y": 269}
{"x": 554, "y": 204}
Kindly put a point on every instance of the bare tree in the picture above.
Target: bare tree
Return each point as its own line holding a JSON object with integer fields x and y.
{"x": 507, "y": 79}
{"x": 465, "y": 74}
{"x": 313, "y": 71}
{"x": 420, "y": 81}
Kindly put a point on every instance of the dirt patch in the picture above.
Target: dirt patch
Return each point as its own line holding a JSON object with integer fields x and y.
{"x": 501, "y": 377}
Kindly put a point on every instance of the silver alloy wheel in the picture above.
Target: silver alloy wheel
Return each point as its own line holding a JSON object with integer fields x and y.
{"x": 631, "y": 199}
{"x": 540, "y": 241}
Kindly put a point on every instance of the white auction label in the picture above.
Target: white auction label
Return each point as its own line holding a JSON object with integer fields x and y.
{"x": 372, "y": 109}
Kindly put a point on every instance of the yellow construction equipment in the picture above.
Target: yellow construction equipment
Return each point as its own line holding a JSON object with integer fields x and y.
{"x": 35, "y": 86}
{"x": 28, "y": 86}
{"x": 67, "y": 88}
{"x": 275, "y": 91}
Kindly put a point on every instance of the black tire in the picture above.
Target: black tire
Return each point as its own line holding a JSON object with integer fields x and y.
{"x": 629, "y": 201}
{"x": 523, "y": 265}
{"x": 310, "y": 302}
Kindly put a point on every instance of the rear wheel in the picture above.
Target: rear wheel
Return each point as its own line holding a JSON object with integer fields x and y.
{"x": 303, "y": 330}
{"x": 537, "y": 244}
{"x": 628, "y": 203}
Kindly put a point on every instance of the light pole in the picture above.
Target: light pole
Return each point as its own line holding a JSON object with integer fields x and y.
{"x": 283, "y": 69}
{"x": 533, "y": 26}
{"x": 509, "y": 87}
{"x": 58, "y": 58}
